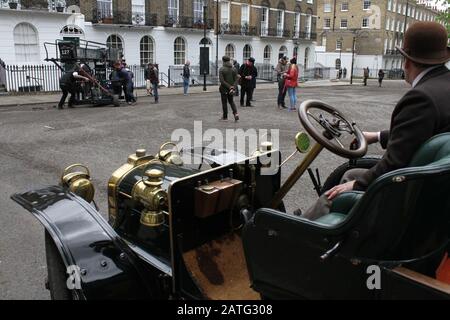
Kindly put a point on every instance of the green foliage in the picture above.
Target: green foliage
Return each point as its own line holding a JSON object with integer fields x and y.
{"x": 444, "y": 17}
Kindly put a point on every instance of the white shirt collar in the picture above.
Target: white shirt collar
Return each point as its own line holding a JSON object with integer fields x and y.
{"x": 422, "y": 74}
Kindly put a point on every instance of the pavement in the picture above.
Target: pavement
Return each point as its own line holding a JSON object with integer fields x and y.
{"x": 38, "y": 142}
{"x": 40, "y": 98}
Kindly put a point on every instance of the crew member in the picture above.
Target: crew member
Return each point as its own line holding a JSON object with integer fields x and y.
{"x": 67, "y": 83}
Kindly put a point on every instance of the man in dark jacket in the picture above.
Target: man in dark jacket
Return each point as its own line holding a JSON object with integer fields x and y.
{"x": 128, "y": 85}
{"x": 67, "y": 83}
{"x": 228, "y": 80}
{"x": 246, "y": 73}
{"x": 380, "y": 77}
{"x": 366, "y": 75}
{"x": 154, "y": 80}
{"x": 423, "y": 112}
{"x": 254, "y": 76}
{"x": 148, "y": 83}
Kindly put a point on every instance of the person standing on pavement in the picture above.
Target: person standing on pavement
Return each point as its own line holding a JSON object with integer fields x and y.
{"x": 281, "y": 69}
{"x": 148, "y": 83}
{"x": 380, "y": 77}
{"x": 186, "y": 76}
{"x": 245, "y": 73}
{"x": 67, "y": 83}
{"x": 254, "y": 76}
{"x": 366, "y": 75}
{"x": 344, "y": 72}
{"x": 154, "y": 80}
{"x": 129, "y": 83}
{"x": 125, "y": 78}
{"x": 291, "y": 83}
{"x": 236, "y": 67}
{"x": 228, "y": 80}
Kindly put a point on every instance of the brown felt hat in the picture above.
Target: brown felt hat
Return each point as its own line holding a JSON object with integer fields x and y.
{"x": 426, "y": 43}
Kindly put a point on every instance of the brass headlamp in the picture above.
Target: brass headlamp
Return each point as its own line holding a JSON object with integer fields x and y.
{"x": 148, "y": 191}
{"x": 78, "y": 182}
{"x": 170, "y": 156}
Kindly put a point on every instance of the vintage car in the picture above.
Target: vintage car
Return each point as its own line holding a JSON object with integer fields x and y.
{"x": 220, "y": 231}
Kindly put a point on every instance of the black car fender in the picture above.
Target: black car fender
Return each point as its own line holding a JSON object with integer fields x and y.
{"x": 105, "y": 267}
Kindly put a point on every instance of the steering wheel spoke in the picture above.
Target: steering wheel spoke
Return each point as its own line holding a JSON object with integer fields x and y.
{"x": 339, "y": 142}
{"x": 335, "y": 125}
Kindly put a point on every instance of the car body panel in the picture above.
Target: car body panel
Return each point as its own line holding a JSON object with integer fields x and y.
{"x": 108, "y": 268}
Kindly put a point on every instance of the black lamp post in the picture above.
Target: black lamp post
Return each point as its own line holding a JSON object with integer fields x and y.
{"x": 217, "y": 38}
{"x": 353, "y": 58}
{"x": 204, "y": 41}
{"x": 404, "y": 27}
{"x": 340, "y": 56}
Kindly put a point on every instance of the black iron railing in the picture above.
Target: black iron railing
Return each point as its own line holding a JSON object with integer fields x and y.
{"x": 122, "y": 17}
{"x": 274, "y": 32}
{"x": 237, "y": 29}
{"x": 187, "y": 22}
{"x": 151, "y": 19}
{"x": 304, "y": 35}
{"x": 125, "y": 18}
{"x": 45, "y": 78}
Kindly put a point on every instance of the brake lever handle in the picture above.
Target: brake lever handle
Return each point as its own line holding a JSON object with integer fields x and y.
{"x": 332, "y": 252}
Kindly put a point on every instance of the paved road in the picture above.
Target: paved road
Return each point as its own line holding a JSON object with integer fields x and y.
{"x": 37, "y": 142}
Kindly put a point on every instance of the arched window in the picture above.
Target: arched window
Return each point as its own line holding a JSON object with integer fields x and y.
{"x": 283, "y": 52}
{"x": 229, "y": 51}
{"x": 115, "y": 42}
{"x": 206, "y": 41}
{"x": 247, "y": 52}
{"x": 26, "y": 43}
{"x": 179, "y": 51}
{"x": 295, "y": 53}
{"x": 71, "y": 29}
{"x": 267, "y": 54}
{"x": 306, "y": 58}
{"x": 147, "y": 50}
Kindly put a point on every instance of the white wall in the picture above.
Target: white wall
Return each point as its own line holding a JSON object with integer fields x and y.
{"x": 328, "y": 59}
{"x": 48, "y": 26}
{"x": 374, "y": 62}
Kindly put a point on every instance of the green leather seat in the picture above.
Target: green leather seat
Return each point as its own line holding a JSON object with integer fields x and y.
{"x": 435, "y": 151}
{"x": 340, "y": 208}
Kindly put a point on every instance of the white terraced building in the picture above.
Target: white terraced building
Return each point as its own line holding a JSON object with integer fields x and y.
{"x": 166, "y": 32}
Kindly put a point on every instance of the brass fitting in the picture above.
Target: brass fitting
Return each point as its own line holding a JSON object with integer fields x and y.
{"x": 148, "y": 191}
{"x": 78, "y": 182}
{"x": 170, "y": 156}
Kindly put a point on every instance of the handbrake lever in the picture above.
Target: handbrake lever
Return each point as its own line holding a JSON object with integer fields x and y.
{"x": 332, "y": 252}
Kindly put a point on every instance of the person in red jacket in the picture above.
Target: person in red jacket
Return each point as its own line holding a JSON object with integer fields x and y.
{"x": 290, "y": 83}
